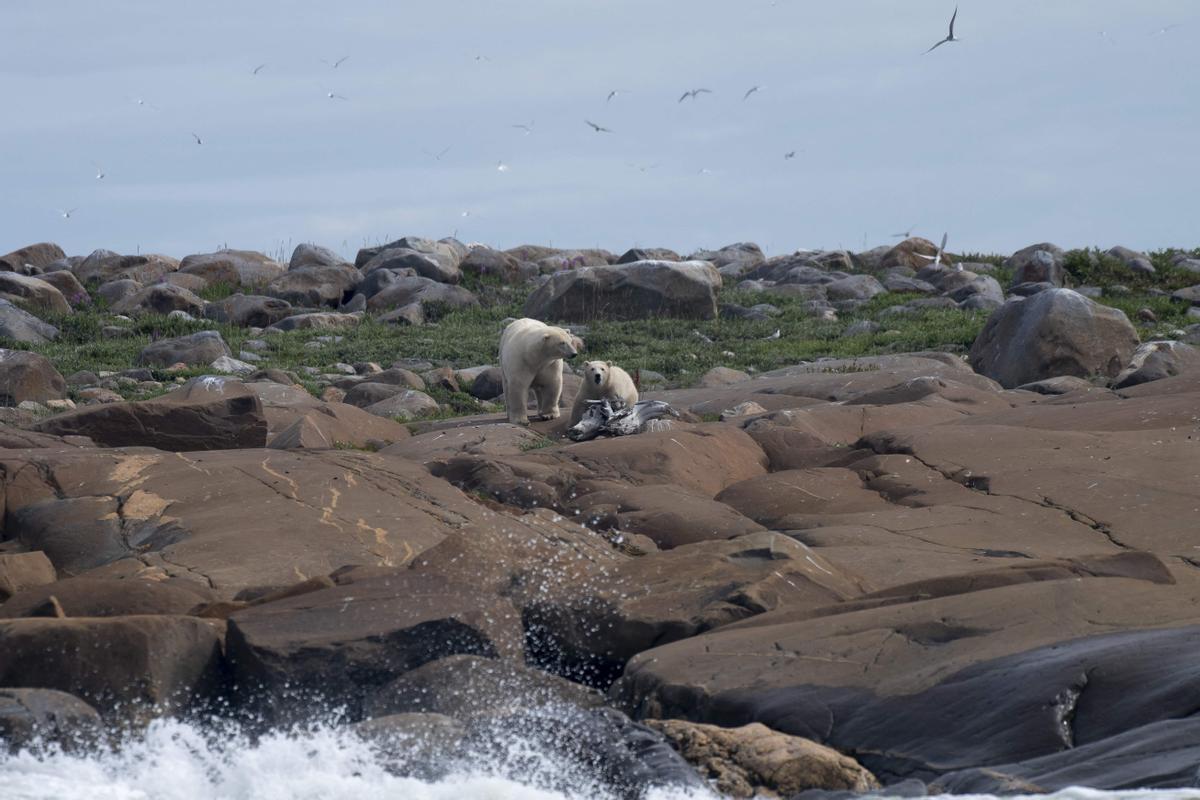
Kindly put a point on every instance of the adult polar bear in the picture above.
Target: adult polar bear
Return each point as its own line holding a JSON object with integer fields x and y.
{"x": 531, "y": 356}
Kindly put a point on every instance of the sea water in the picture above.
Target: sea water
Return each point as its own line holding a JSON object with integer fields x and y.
{"x": 175, "y": 760}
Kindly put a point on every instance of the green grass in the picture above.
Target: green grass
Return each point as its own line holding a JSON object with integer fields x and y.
{"x": 1096, "y": 268}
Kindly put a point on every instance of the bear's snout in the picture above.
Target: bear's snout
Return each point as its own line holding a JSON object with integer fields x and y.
{"x": 599, "y": 378}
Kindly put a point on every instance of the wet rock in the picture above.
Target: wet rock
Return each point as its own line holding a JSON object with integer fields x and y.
{"x": 103, "y": 597}
{"x": 207, "y": 413}
{"x": 1050, "y": 334}
{"x": 746, "y": 761}
{"x": 630, "y": 291}
{"x": 32, "y": 717}
{"x": 202, "y": 347}
{"x": 28, "y": 376}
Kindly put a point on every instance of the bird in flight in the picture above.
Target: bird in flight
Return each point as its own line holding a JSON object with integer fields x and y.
{"x": 197, "y": 138}
{"x": 436, "y": 156}
{"x": 597, "y": 128}
{"x": 704, "y": 171}
{"x": 904, "y": 234}
{"x": 936, "y": 259}
{"x": 641, "y": 167}
{"x": 258, "y": 69}
{"x": 333, "y": 96}
{"x": 950, "y": 36}
{"x": 141, "y": 102}
{"x": 1163, "y": 30}
{"x": 67, "y": 213}
{"x": 99, "y": 171}
{"x": 614, "y": 93}
{"x": 692, "y": 94}
{"x": 527, "y": 128}
{"x": 749, "y": 92}
{"x": 789, "y": 155}
{"x": 335, "y": 64}
{"x": 501, "y": 166}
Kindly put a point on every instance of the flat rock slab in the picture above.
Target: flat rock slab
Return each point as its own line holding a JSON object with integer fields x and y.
{"x": 501, "y": 438}
{"x": 337, "y": 644}
{"x": 333, "y": 425}
{"x": 230, "y": 520}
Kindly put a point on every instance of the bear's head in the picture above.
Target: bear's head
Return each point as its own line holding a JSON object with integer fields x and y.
{"x": 558, "y": 343}
{"x": 596, "y": 372}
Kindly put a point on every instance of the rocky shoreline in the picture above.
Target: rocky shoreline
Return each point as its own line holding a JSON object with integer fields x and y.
{"x": 948, "y": 571}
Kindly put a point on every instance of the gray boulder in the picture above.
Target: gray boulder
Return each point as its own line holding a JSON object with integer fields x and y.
{"x": 113, "y": 292}
{"x": 30, "y": 717}
{"x": 854, "y": 287}
{"x": 483, "y": 261}
{"x": 161, "y": 298}
{"x": 1135, "y": 261}
{"x": 19, "y": 325}
{"x": 242, "y": 268}
{"x": 1053, "y": 333}
{"x": 1038, "y": 266}
{"x": 406, "y": 404}
{"x": 1154, "y": 361}
{"x": 427, "y": 265}
{"x": 33, "y": 292}
{"x": 405, "y": 291}
{"x": 247, "y": 311}
{"x": 311, "y": 255}
{"x": 36, "y": 256}
{"x": 315, "y": 285}
{"x": 69, "y": 286}
{"x": 1190, "y": 294}
{"x": 203, "y": 347}
{"x": 102, "y": 266}
{"x": 639, "y": 290}
{"x": 732, "y": 260}
{"x": 28, "y": 376}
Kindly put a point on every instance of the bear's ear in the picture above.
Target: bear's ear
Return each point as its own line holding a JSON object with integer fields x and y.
{"x": 546, "y": 336}
{"x": 609, "y": 363}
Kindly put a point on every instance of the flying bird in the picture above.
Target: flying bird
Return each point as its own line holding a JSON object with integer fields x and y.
{"x": 1161, "y": 31}
{"x": 67, "y": 214}
{"x": 99, "y": 171}
{"x": 614, "y": 93}
{"x": 704, "y": 171}
{"x": 141, "y": 102}
{"x": 527, "y": 128}
{"x": 436, "y": 156}
{"x": 333, "y": 96}
{"x": 335, "y": 64}
{"x": 789, "y": 155}
{"x": 501, "y": 166}
{"x": 197, "y": 138}
{"x": 692, "y": 94}
{"x": 597, "y": 128}
{"x": 749, "y": 92}
{"x": 641, "y": 167}
{"x": 950, "y": 37}
{"x": 936, "y": 260}
{"x": 258, "y": 69}
{"x": 904, "y": 234}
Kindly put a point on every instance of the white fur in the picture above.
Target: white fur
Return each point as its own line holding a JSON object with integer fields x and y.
{"x": 531, "y": 356}
{"x": 614, "y": 384}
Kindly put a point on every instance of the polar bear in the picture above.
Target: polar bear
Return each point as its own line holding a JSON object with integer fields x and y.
{"x": 603, "y": 381}
{"x": 531, "y": 356}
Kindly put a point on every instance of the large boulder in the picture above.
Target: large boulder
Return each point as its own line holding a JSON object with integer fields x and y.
{"x": 160, "y": 298}
{"x": 854, "y": 287}
{"x": 427, "y": 265}
{"x": 629, "y": 291}
{"x": 206, "y": 413}
{"x": 484, "y": 262}
{"x": 1038, "y": 265}
{"x": 241, "y": 268}
{"x": 21, "y": 571}
{"x": 911, "y": 253}
{"x": 448, "y": 252}
{"x": 405, "y": 291}
{"x": 248, "y": 310}
{"x": 312, "y": 255}
{"x": 69, "y": 286}
{"x": 107, "y": 597}
{"x": 337, "y": 645}
{"x": 315, "y": 285}
{"x": 202, "y": 347}
{"x": 753, "y": 759}
{"x": 19, "y": 325}
{"x": 1053, "y": 333}
{"x": 317, "y": 321}
{"x": 33, "y": 292}
{"x": 38, "y": 256}
{"x": 126, "y": 667}
{"x": 103, "y": 266}
{"x": 32, "y": 717}
{"x": 732, "y": 260}
{"x": 335, "y": 425}
{"x": 1133, "y": 260}
{"x": 28, "y": 376}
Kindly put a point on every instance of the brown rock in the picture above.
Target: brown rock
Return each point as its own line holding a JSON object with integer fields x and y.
{"x": 39, "y": 255}
{"x": 28, "y": 376}
{"x": 21, "y": 571}
{"x": 34, "y": 293}
{"x": 337, "y": 425}
{"x": 99, "y": 597}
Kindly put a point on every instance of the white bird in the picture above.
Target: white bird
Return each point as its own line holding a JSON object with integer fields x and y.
{"x": 501, "y": 166}
{"x": 692, "y": 94}
{"x": 67, "y": 214}
{"x": 904, "y": 234}
{"x": 335, "y": 64}
{"x": 950, "y": 37}
{"x": 527, "y": 128}
{"x": 702, "y": 337}
{"x": 141, "y": 102}
{"x": 436, "y": 156}
{"x": 777, "y": 334}
{"x": 597, "y": 128}
{"x": 936, "y": 260}
{"x": 258, "y": 69}
{"x": 614, "y": 93}
{"x": 197, "y": 138}
{"x": 749, "y": 92}
{"x": 99, "y": 171}
{"x": 704, "y": 171}
{"x": 333, "y": 96}
{"x": 1104, "y": 35}
{"x": 1161, "y": 31}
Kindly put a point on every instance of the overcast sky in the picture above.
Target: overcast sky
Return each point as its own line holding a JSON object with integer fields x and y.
{"x": 1074, "y": 122}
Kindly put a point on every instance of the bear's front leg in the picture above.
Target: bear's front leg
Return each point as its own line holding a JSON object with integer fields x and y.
{"x": 548, "y": 388}
{"x": 514, "y": 402}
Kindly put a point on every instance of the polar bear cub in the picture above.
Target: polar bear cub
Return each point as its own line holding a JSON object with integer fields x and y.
{"x": 603, "y": 381}
{"x": 531, "y": 357}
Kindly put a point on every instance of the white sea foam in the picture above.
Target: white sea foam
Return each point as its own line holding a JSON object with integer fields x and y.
{"x": 178, "y": 761}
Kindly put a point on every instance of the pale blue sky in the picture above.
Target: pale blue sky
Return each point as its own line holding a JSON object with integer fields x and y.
{"x": 1034, "y": 127}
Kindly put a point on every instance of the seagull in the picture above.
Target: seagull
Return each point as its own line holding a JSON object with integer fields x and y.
{"x": 789, "y": 154}
{"x": 749, "y": 92}
{"x": 335, "y": 64}
{"x": 692, "y": 94}
{"x": 141, "y": 102}
{"x": 99, "y": 171}
{"x": 597, "y": 128}
{"x": 704, "y": 171}
{"x": 614, "y": 93}
{"x": 950, "y": 37}
{"x": 482, "y": 58}
{"x": 436, "y": 156}
{"x": 333, "y": 96}
{"x": 258, "y": 69}
{"x": 1161, "y": 31}
{"x": 904, "y": 234}
{"x": 936, "y": 260}
{"x": 702, "y": 337}
{"x": 67, "y": 214}
{"x": 197, "y": 138}
{"x": 1104, "y": 35}
{"x": 501, "y": 166}
{"x": 777, "y": 334}
{"x": 641, "y": 167}
{"x": 527, "y": 128}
